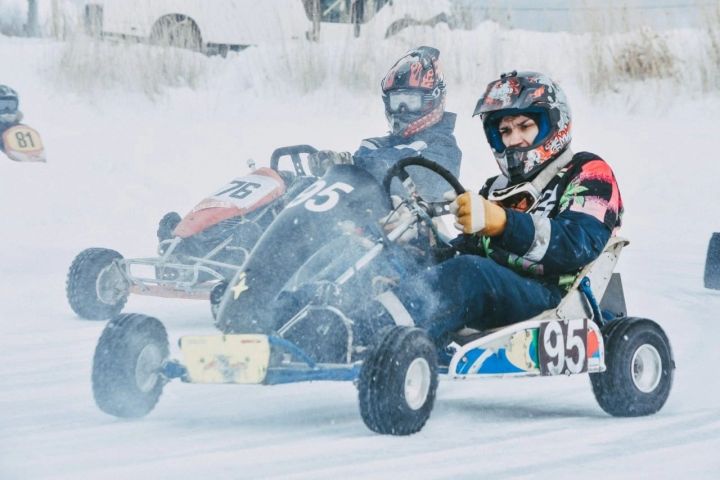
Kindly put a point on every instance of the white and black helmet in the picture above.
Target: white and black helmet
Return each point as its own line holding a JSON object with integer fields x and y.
{"x": 9, "y": 105}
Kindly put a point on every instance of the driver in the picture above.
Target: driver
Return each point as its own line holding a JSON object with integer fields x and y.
{"x": 9, "y": 113}
{"x": 526, "y": 233}
{"x": 413, "y": 92}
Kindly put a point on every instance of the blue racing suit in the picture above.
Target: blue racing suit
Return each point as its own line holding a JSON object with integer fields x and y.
{"x": 436, "y": 143}
{"x": 492, "y": 282}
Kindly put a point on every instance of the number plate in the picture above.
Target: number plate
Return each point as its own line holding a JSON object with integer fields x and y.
{"x": 23, "y": 144}
{"x": 562, "y": 347}
{"x": 245, "y": 191}
{"x": 226, "y": 358}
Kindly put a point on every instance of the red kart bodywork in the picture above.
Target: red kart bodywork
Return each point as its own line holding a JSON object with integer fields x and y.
{"x": 242, "y": 196}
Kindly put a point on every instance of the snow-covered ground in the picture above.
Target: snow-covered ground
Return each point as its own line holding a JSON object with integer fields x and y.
{"x": 118, "y": 161}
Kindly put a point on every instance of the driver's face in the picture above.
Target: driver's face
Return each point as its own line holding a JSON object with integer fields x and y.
{"x": 518, "y": 131}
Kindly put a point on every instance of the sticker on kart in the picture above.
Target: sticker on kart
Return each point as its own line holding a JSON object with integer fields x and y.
{"x": 23, "y": 144}
{"x": 546, "y": 348}
{"x": 246, "y": 193}
{"x": 563, "y": 347}
{"x": 319, "y": 197}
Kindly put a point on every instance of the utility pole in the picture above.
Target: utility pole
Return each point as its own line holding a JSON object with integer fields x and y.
{"x": 56, "y": 19}
{"x": 31, "y": 27}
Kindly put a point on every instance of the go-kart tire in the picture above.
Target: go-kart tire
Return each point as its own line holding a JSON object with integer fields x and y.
{"x": 711, "y": 277}
{"x": 167, "y": 225}
{"x": 82, "y": 285}
{"x": 216, "y": 296}
{"x": 640, "y": 369}
{"x": 126, "y": 381}
{"x": 398, "y": 382}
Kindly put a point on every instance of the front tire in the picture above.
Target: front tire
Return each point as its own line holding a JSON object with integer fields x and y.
{"x": 398, "y": 382}
{"x": 95, "y": 287}
{"x": 711, "y": 275}
{"x": 126, "y": 377}
{"x": 639, "y": 372}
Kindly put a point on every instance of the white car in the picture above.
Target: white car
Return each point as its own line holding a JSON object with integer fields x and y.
{"x": 216, "y": 26}
{"x": 213, "y": 26}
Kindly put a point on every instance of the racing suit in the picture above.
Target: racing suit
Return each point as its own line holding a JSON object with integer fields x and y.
{"x": 436, "y": 143}
{"x": 492, "y": 282}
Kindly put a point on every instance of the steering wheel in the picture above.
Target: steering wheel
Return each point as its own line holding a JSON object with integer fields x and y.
{"x": 294, "y": 152}
{"x": 398, "y": 171}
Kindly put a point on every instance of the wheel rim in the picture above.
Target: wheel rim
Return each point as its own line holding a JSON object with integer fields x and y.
{"x": 111, "y": 287}
{"x": 417, "y": 383}
{"x": 147, "y": 367}
{"x": 646, "y": 368}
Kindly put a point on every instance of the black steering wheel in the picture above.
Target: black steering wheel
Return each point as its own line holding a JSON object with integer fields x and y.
{"x": 398, "y": 170}
{"x": 294, "y": 152}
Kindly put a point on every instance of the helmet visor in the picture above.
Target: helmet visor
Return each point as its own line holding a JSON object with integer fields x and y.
{"x": 409, "y": 101}
{"x": 8, "y": 105}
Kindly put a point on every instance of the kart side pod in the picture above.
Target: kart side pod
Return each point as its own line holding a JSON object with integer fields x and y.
{"x": 563, "y": 340}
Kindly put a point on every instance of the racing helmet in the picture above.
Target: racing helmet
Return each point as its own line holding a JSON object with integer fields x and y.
{"x": 9, "y": 103}
{"x": 413, "y": 91}
{"x": 537, "y": 96}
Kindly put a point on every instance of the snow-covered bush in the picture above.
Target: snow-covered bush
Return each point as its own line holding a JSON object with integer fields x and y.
{"x": 598, "y": 59}
{"x": 86, "y": 65}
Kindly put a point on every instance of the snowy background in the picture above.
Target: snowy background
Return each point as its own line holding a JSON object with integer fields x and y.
{"x": 132, "y": 132}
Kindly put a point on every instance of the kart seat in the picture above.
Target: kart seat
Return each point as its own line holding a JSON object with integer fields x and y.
{"x": 605, "y": 285}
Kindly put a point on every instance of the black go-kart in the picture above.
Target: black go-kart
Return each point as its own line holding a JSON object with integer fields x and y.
{"x": 289, "y": 315}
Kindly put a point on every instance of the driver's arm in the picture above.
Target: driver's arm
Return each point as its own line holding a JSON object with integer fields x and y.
{"x": 590, "y": 209}
{"x": 377, "y": 158}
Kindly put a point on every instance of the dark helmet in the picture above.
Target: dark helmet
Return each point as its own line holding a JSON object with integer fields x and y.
{"x": 537, "y": 96}
{"x": 414, "y": 92}
{"x": 9, "y": 103}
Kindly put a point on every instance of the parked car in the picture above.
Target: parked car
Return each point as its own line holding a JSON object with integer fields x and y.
{"x": 217, "y": 26}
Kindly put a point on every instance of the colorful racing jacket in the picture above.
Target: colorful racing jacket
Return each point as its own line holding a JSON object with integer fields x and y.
{"x": 566, "y": 229}
{"x": 436, "y": 143}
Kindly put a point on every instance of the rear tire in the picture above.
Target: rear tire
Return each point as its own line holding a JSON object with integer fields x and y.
{"x": 398, "y": 382}
{"x": 90, "y": 296}
{"x": 216, "y": 296}
{"x": 639, "y": 371}
{"x": 126, "y": 378}
{"x": 167, "y": 225}
{"x": 712, "y": 263}
{"x": 177, "y": 31}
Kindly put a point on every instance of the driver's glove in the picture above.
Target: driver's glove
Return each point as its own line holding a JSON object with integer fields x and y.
{"x": 319, "y": 162}
{"x": 475, "y": 214}
{"x": 400, "y": 214}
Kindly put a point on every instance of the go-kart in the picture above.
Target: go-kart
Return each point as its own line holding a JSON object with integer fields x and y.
{"x": 22, "y": 143}
{"x": 711, "y": 277}
{"x": 303, "y": 326}
{"x": 198, "y": 253}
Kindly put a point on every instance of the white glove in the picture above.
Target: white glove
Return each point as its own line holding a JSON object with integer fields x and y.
{"x": 319, "y": 162}
{"x": 400, "y": 214}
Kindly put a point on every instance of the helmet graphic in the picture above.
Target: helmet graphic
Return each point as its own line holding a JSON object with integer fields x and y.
{"x": 537, "y": 96}
{"x": 414, "y": 92}
{"x": 9, "y": 104}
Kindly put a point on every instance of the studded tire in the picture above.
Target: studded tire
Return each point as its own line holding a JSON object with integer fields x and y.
{"x": 398, "y": 382}
{"x": 126, "y": 379}
{"x": 640, "y": 368}
{"x": 167, "y": 225}
{"x": 82, "y": 288}
{"x": 711, "y": 276}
